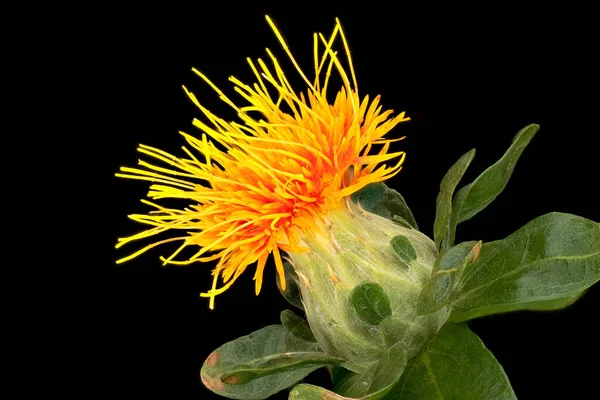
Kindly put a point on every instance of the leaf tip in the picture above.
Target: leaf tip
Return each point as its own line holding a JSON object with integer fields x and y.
{"x": 213, "y": 384}
{"x": 530, "y": 129}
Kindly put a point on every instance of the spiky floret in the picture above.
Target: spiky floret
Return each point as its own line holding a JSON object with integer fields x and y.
{"x": 272, "y": 177}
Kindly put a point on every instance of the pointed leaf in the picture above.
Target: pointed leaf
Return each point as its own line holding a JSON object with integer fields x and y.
{"x": 292, "y": 290}
{"x": 545, "y": 265}
{"x": 383, "y": 201}
{"x": 263, "y": 363}
{"x": 483, "y": 190}
{"x": 478, "y": 194}
{"x": 454, "y": 365}
{"x": 444, "y": 199}
{"x": 297, "y": 326}
{"x": 370, "y": 302}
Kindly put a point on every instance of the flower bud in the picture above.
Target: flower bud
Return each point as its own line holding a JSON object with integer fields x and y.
{"x": 351, "y": 247}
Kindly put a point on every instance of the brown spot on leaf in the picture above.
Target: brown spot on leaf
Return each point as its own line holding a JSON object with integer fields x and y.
{"x": 213, "y": 359}
{"x": 231, "y": 379}
{"x": 213, "y": 384}
{"x": 475, "y": 251}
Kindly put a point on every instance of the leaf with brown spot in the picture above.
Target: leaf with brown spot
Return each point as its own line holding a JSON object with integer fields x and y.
{"x": 258, "y": 365}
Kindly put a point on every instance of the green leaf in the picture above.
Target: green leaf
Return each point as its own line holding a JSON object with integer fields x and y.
{"x": 297, "y": 326}
{"x": 459, "y": 199}
{"x": 305, "y": 391}
{"x": 276, "y": 364}
{"x": 455, "y": 364}
{"x": 385, "y": 202}
{"x": 292, "y": 289}
{"x": 478, "y": 194}
{"x": 483, "y": 190}
{"x": 440, "y": 290}
{"x": 557, "y": 304}
{"x": 544, "y": 265}
{"x": 444, "y": 199}
{"x": 258, "y": 365}
{"x": 370, "y": 302}
{"x": 403, "y": 249}
{"x": 378, "y": 379}
{"x": 402, "y": 222}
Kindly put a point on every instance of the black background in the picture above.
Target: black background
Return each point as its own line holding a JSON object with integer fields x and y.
{"x": 469, "y": 82}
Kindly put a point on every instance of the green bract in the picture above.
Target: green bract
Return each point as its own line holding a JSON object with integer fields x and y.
{"x": 360, "y": 293}
{"x": 383, "y": 302}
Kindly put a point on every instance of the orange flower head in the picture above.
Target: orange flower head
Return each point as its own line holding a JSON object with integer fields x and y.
{"x": 256, "y": 184}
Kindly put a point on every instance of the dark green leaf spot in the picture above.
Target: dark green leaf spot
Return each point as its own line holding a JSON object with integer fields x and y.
{"x": 370, "y": 302}
{"x": 403, "y": 249}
